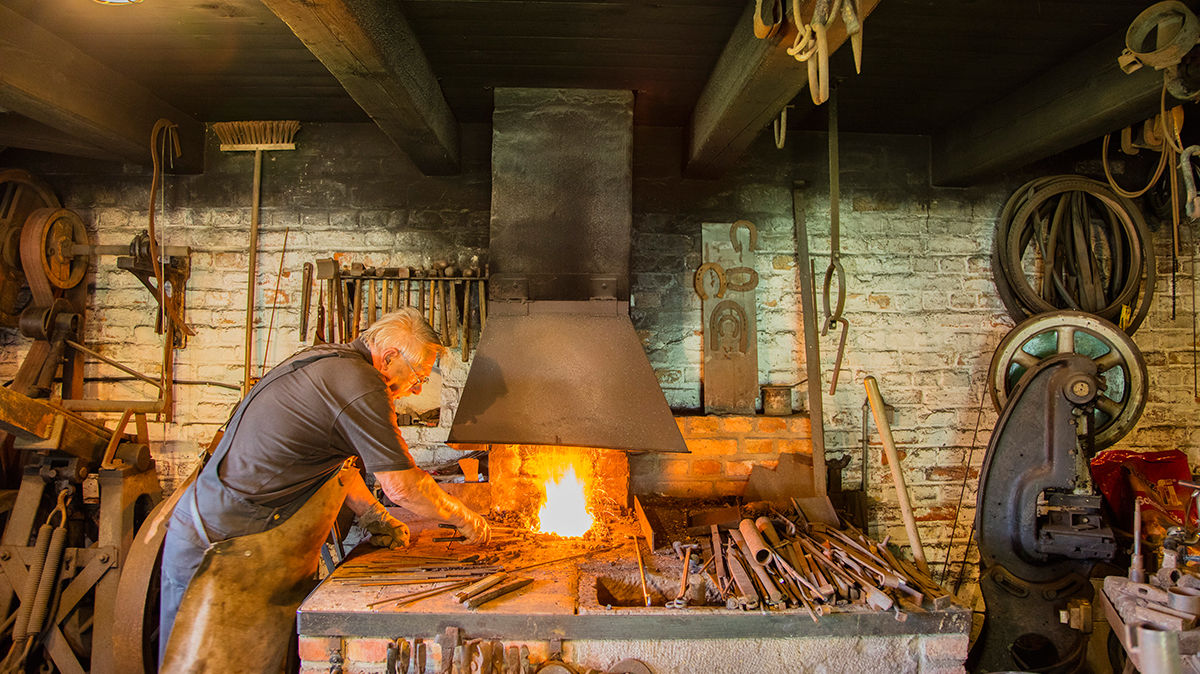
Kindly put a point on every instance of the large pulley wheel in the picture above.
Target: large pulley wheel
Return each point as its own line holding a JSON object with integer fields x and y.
{"x": 1119, "y": 363}
{"x": 20, "y": 195}
{"x": 50, "y": 237}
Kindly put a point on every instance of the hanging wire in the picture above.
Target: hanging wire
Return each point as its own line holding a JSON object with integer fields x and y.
{"x": 962, "y": 493}
{"x": 262, "y": 369}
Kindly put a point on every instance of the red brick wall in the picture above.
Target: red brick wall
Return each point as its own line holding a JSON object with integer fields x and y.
{"x": 723, "y": 450}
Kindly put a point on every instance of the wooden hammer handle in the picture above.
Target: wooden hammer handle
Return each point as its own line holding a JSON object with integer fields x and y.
{"x": 889, "y": 446}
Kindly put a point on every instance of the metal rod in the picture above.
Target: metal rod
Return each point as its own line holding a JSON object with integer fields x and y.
{"x": 123, "y": 368}
{"x": 812, "y": 349}
{"x": 274, "y": 303}
{"x": 641, "y": 569}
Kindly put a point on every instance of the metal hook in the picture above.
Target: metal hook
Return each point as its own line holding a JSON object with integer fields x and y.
{"x": 837, "y": 364}
{"x": 831, "y": 317}
{"x": 61, "y": 508}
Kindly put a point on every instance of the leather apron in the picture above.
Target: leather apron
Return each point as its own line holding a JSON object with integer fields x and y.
{"x": 238, "y": 611}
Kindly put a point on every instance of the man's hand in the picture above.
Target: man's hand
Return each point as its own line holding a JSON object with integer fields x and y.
{"x": 473, "y": 527}
{"x": 386, "y": 531}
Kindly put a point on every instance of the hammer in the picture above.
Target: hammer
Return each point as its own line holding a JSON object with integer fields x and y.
{"x": 685, "y": 552}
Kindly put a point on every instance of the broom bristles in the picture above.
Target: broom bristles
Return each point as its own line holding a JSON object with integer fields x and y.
{"x": 273, "y": 132}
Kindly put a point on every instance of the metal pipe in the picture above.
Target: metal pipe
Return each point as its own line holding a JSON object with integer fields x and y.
{"x": 1137, "y": 570}
{"x": 754, "y": 541}
{"x": 889, "y": 445}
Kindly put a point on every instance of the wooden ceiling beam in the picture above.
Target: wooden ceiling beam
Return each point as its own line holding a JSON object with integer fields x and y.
{"x": 1078, "y": 101}
{"x": 50, "y": 81}
{"x": 750, "y": 84}
{"x": 371, "y": 49}
{"x": 21, "y": 132}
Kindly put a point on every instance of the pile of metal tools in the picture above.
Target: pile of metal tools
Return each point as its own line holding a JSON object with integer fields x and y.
{"x": 777, "y": 563}
{"x": 351, "y": 298}
{"x": 1155, "y": 615}
{"x": 475, "y": 579}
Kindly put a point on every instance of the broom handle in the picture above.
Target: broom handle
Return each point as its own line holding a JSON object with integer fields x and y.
{"x": 889, "y": 445}
{"x": 251, "y": 272}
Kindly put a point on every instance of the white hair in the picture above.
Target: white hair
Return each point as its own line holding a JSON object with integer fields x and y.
{"x": 405, "y": 330}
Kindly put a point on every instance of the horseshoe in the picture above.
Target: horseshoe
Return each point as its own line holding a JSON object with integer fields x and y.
{"x": 698, "y": 280}
{"x": 733, "y": 237}
{"x": 749, "y": 284}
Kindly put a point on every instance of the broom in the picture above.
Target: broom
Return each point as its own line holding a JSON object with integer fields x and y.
{"x": 257, "y": 137}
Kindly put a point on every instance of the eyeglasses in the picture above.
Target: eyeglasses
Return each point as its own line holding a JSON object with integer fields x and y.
{"x": 420, "y": 381}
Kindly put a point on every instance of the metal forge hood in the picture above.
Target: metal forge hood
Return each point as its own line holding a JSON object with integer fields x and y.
{"x": 559, "y": 362}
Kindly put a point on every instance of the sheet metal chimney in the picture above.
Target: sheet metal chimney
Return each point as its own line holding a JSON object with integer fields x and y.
{"x": 559, "y": 362}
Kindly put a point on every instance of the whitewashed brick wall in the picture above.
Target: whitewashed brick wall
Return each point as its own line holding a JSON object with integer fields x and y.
{"x": 924, "y": 314}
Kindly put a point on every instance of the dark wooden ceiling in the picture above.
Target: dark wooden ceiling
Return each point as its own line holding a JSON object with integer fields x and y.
{"x": 927, "y": 64}
{"x": 924, "y": 61}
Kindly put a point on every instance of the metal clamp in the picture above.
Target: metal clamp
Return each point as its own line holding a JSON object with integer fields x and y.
{"x": 1157, "y": 19}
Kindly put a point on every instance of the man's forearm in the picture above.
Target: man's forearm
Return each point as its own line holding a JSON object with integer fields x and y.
{"x": 358, "y": 497}
{"x": 419, "y": 494}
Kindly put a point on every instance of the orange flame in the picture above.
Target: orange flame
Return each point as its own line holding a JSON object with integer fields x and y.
{"x": 565, "y": 510}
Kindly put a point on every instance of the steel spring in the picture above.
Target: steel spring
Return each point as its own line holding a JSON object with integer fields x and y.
{"x": 1095, "y": 250}
{"x": 45, "y": 588}
{"x": 29, "y": 591}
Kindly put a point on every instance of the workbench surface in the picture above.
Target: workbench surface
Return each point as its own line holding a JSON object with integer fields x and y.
{"x": 563, "y": 602}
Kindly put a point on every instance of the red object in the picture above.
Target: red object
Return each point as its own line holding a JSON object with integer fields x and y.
{"x": 1108, "y": 470}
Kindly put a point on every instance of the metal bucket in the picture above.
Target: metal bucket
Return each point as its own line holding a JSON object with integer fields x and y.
{"x": 777, "y": 400}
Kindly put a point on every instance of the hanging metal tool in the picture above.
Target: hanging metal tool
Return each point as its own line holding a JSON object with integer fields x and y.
{"x": 812, "y": 41}
{"x": 305, "y": 299}
{"x": 833, "y": 311}
{"x": 812, "y": 348}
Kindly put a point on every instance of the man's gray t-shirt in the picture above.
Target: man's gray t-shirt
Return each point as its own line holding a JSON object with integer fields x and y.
{"x": 305, "y": 423}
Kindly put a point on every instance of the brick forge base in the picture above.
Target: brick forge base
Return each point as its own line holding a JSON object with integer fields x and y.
{"x": 850, "y": 654}
{"x": 723, "y": 451}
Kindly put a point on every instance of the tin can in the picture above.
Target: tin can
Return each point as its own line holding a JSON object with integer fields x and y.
{"x": 777, "y": 400}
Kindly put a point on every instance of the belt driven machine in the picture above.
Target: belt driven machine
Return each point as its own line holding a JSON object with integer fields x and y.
{"x": 1069, "y": 384}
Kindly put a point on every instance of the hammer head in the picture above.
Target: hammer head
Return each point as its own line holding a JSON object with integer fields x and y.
{"x": 680, "y": 548}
